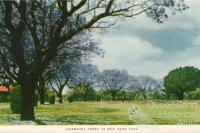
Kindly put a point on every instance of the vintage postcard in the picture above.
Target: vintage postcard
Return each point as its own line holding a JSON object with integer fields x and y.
{"x": 99, "y": 66}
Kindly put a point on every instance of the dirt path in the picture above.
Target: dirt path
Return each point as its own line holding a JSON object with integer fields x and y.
{"x": 139, "y": 117}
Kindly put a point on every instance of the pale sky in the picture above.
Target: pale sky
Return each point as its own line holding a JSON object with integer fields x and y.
{"x": 144, "y": 47}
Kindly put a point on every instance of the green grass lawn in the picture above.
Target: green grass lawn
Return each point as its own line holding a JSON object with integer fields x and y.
{"x": 110, "y": 113}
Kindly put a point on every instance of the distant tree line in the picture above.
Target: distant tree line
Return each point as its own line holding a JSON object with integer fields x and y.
{"x": 87, "y": 83}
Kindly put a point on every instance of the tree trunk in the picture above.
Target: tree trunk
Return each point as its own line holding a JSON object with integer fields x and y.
{"x": 113, "y": 96}
{"x": 60, "y": 91}
{"x": 145, "y": 96}
{"x": 42, "y": 91}
{"x": 168, "y": 96}
{"x": 60, "y": 98}
{"x": 28, "y": 92}
{"x": 180, "y": 95}
{"x": 85, "y": 97}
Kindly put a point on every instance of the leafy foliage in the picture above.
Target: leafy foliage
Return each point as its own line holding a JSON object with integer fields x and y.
{"x": 15, "y": 100}
{"x": 36, "y": 99}
{"x": 181, "y": 80}
{"x": 4, "y": 98}
{"x": 125, "y": 95}
{"x": 159, "y": 95}
{"x": 52, "y": 98}
{"x": 83, "y": 92}
{"x": 113, "y": 81}
{"x": 194, "y": 95}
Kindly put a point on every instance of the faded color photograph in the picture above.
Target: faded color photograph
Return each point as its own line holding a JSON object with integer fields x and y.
{"x": 99, "y": 62}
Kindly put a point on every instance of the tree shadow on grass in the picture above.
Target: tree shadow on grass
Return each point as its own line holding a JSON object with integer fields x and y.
{"x": 39, "y": 122}
{"x": 74, "y": 120}
{"x": 106, "y": 110}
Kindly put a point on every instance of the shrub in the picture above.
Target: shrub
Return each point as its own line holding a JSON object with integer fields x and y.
{"x": 125, "y": 95}
{"x": 83, "y": 92}
{"x": 70, "y": 98}
{"x": 159, "y": 96}
{"x": 98, "y": 97}
{"x": 15, "y": 100}
{"x": 131, "y": 95}
{"x": 4, "y": 98}
{"x": 122, "y": 96}
{"x": 51, "y": 98}
{"x": 46, "y": 95}
{"x": 105, "y": 95}
{"x": 193, "y": 95}
{"x": 75, "y": 96}
{"x": 139, "y": 97}
{"x": 90, "y": 95}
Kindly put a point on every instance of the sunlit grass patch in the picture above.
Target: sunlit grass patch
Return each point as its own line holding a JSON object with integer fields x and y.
{"x": 106, "y": 113}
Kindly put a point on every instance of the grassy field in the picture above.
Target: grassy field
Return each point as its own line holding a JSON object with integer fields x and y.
{"x": 109, "y": 113}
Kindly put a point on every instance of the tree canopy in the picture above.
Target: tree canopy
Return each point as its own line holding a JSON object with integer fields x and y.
{"x": 181, "y": 80}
